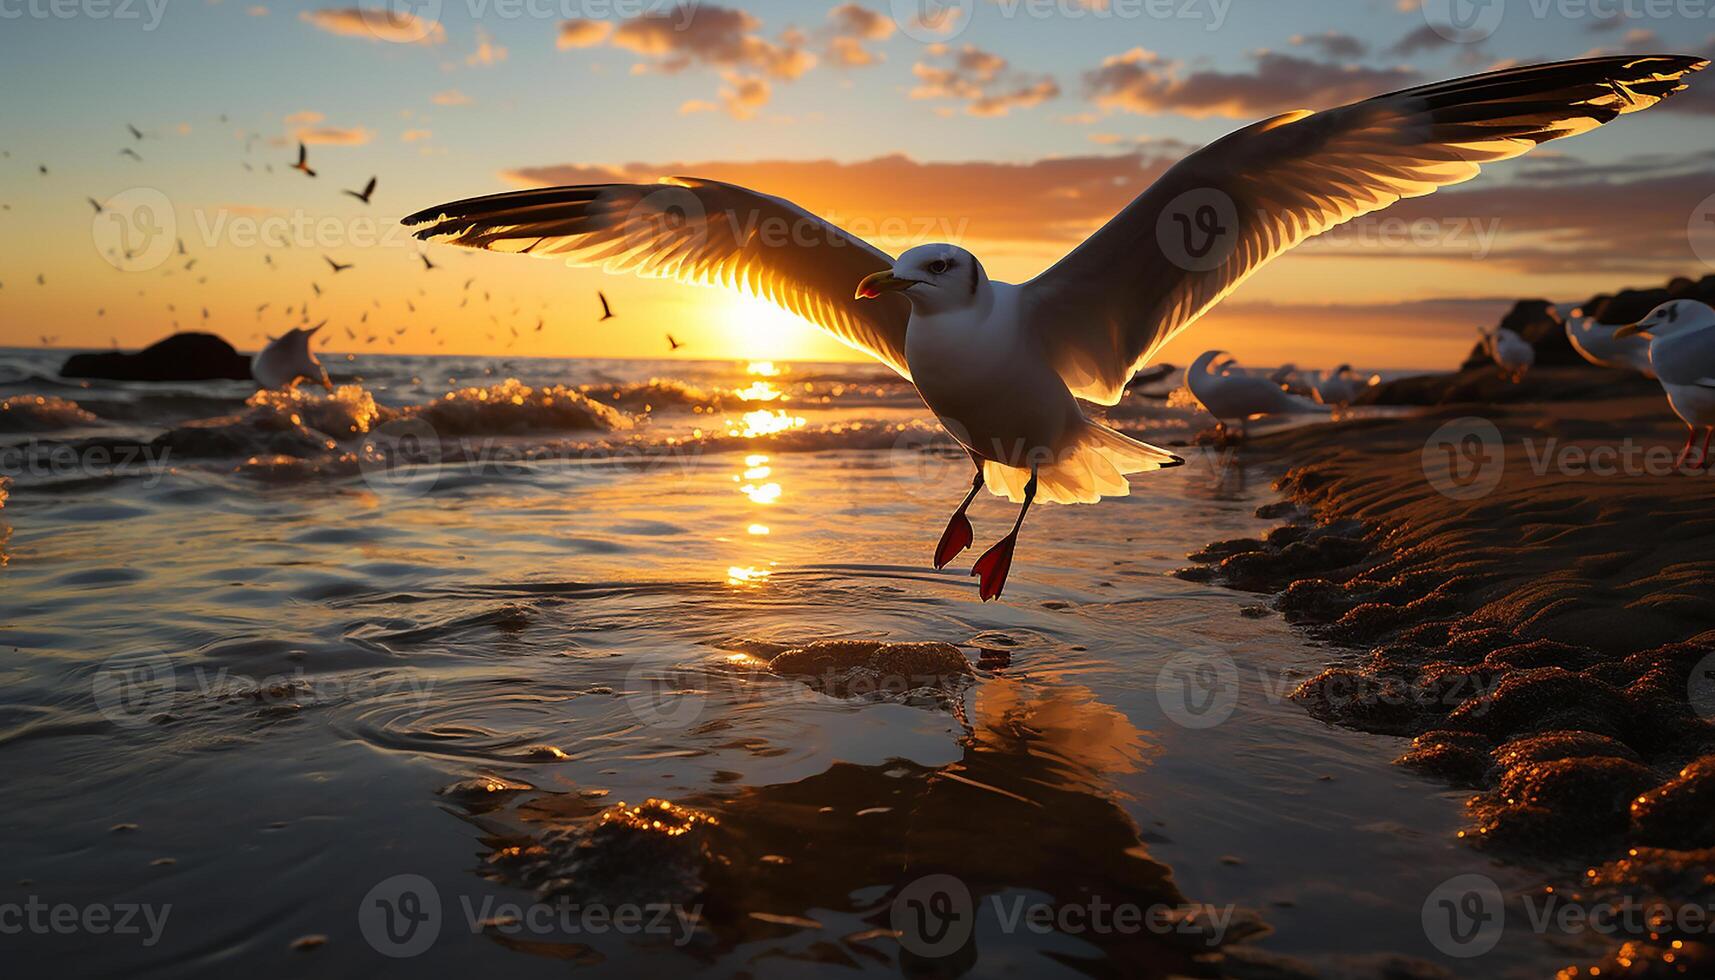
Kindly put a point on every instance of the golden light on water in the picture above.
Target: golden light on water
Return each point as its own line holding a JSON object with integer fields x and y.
{"x": 745, "y": 575}
{"x": 766, "y": 493}
{"x": 765, "y": 423}
{"x": 762, "y": 369}
{"x": 758, "y": 391}
{"x": 757, "y": 473}
{"x": 755, "y": 459}
{"x": 758, "y": 529}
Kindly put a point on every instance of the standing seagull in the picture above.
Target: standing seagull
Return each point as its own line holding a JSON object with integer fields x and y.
{"x": 1003, "y": 365}
{"x": 1681, "y": 337}
{"x": 1511, "y": 353}
{"x": 1595, "y": 342}
{"x": 1232, "y": 396}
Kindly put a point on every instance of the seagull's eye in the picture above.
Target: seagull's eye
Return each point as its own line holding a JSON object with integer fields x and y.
{"x": 938, "y": 266}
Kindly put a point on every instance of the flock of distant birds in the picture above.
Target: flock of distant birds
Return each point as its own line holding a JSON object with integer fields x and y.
{"x": 302, "y": 311}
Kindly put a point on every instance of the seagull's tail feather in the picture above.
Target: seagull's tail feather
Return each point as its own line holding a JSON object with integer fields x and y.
{"x": 1095, "y": 466}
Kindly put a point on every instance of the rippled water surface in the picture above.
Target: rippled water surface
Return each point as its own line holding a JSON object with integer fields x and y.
{"x": 441, "y": 624}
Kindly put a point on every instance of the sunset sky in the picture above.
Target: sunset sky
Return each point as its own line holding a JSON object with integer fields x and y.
{"x": 1014, "y": 129}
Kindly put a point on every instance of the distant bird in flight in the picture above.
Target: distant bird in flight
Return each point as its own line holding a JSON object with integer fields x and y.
{"x": 368, "y": 189}
{"x": 1681, "y": 337}
{"x": 303, "y": 161}
{"x": 1002, "y": 365}
{"x": 427, "y": 265}
{"x": 606, "y": 311}
{"x": 136, "y": 133}
{"x": 128, "y": 152}
{"x": 673, "y": 345}
{"x": 335, "y": 266}
{"x": 44, "y": 169}
{"x": 96, "y": 205}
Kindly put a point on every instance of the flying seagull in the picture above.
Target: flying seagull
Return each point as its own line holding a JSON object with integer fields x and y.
{"x": 128, "y": 152}
{"x": 1002, "y": 365}
{"x": 335, "y": 266}
{"x": 606, "y": 311}
{"x": 672, "y": 345}
{"x": 136, "y": 133}
{"x": 368, "y": 189}
{"x": 427, "y": 265}
{"x": 303, "y": 161}
{"x": 1681, "y": 337}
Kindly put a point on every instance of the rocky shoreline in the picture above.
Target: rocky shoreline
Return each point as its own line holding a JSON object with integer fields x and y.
{"x": 1547, "y": 643}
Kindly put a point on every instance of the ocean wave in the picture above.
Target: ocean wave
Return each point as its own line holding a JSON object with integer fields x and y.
{"x": 42, "y": 413}
{"x": 645, "y": 396}
{"x": 514, "y": 408}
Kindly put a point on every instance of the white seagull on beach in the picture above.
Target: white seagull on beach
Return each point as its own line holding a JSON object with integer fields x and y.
{"x": 1003, "y": 365}
{"x": 288, "y": 360}
{"x": 1233, "y": 396}
{"x": 1681, "y": 337}
{"x": 1337, "y": 387}
{"x": 1595, "y": 343}
{"x": 1511, "y": 353}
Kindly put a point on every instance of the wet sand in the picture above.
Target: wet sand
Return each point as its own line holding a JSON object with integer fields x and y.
{"x": 1524, "y": 589}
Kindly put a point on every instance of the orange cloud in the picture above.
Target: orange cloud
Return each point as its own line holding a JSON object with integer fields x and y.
{"x": 583, "y": 33}
{"x": 397, "y": 27}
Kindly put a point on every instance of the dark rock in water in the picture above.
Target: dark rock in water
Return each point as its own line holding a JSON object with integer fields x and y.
{"x": 850, "y": 668}
{"x": 1576, "y": 803}
{"x": 1484, "y": 384}
{"x": 181, "y": 357}
{"x": 1460, "y": 758}
{"x": 1631, "y": 305}
{"x": 654, "y": 852}
{"x": 1554, "y": 746}
{"x": 1680, "y": 813}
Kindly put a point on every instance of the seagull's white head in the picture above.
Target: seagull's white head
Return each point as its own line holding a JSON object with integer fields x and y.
{"x": 935, "y": 278}
{"x": 1670, "y": 318}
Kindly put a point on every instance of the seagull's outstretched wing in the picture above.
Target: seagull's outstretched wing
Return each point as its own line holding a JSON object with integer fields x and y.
{"x": 698, "y": 231}
{"x": 1224, "y": 211}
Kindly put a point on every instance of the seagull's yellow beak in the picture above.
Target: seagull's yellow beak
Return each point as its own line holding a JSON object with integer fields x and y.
{"x": 885, "y": 281}
{"x": 1629, "y": 330}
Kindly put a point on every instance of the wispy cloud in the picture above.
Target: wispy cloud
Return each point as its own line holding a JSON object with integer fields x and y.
{"x": 394, "y": 26}
{"x": 983, "y": 80}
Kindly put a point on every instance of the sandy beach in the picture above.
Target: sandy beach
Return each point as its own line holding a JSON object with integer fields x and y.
{"x": 1534, "y": 614}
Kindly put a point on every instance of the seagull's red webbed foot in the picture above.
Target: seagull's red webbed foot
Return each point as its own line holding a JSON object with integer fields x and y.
{"x": 993, "y": 566}
{"x": 997, "y": 561}
{"x": 956, "y": 538}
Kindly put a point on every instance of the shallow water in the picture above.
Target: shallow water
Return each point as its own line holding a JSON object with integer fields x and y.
{"x": 284, "y": 656}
